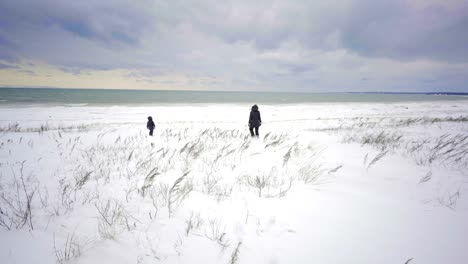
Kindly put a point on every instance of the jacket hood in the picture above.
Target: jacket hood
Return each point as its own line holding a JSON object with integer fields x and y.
{"x": 254, "y": 108}
{"x": 150, "y": 118}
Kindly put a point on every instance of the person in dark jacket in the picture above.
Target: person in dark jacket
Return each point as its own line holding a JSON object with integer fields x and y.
{"x": 254, "y": 120}
{"x": 150, "y": 125}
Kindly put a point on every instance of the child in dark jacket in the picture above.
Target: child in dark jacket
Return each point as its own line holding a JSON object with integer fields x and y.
{"x": 150, "y": 125}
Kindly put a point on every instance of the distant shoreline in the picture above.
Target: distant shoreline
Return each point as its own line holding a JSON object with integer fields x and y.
{"x": 422, "y": 93}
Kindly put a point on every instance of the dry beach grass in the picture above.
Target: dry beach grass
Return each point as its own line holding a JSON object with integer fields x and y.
{"x": 161, "y": 196}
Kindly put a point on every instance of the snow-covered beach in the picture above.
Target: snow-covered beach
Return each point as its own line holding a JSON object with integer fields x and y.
{"x": 324, "y": 183}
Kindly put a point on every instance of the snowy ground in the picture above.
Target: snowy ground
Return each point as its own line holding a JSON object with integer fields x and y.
{"x": 324, "y": 183}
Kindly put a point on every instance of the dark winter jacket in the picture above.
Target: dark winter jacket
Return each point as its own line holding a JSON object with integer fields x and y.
{"x": 150, "y": 125}
{"x": 255, "y": 120}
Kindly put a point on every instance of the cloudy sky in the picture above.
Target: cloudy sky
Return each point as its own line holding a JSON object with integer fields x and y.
{"x": 275, "y": 45}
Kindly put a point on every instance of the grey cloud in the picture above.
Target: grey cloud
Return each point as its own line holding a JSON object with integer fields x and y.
{"x": 113, "y": 23}
{"x": 28, "y": 72}
{"x": 73, "y": 33}
{"x": 371, "y": 28}
{"x": 394, "y": 30}
{"x": 299, "y": 68}
{"x": 334, "y": 43}
{"x": 72, "y": 70}
{"x": 368, "y": 28}
{"x": 8, "y": 66}
{"x": 155, "y": 71}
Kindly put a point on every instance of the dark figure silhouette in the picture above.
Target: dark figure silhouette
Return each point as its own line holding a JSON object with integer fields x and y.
{"x": 150, "y": 125}
{"x": 254, "y": 120}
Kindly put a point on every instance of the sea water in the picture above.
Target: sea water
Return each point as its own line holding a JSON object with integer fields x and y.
{"x": 106, "y": 97}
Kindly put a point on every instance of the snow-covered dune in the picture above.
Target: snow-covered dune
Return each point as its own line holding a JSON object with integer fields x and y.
{"x": 324, "y": 183}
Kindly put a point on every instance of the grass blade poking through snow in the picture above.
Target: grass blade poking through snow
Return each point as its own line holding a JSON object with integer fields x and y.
{"x": 70, "y": 251}
{"x": 426, "y": 178}
{"x": 149, "y": 180}
{"x": 377, "y": 158}
{"x": 177, "y": 193}
{"x": 235, "y": 254}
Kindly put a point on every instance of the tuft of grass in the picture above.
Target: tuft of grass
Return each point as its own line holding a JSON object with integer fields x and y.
{"x": 450, "y": 200}
{"x": 311, "y": 173}
{"x": 16, "y": 205}
{"x": 70, "y": 251}
{"x": 334, "y": 170}
{"x": 149, "y": 179}
{"x": 426, "y": 178}
{"x": 258, "y": 182}
{"x": 194, "y": 222}
{"x": 217, "y": 232}
{"x": 11, "y": 127}
{"x": 377, "y": 158}
{"x": 81, "y": 180}
{"x": 235, "y": 254}
{"x": 177, "y": 193}
{"x": 112, "y": 217}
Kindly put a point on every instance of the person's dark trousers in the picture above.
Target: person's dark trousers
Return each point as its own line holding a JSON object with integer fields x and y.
{"x": 252, "y": 131}
{"x": 151, "y": 132}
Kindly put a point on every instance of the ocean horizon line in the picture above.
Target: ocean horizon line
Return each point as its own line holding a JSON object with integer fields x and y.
{"x": 240, "y": 91}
